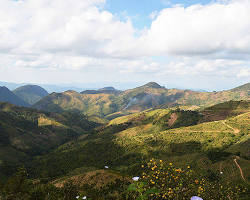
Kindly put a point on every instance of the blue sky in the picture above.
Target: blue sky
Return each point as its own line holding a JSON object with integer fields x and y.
{"x": 186, "y": 44}
{"x": 140, "y": 10}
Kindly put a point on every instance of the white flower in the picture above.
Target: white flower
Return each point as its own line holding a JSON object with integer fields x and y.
{"x": 77, "y": 197}
{"x": 84, "y": 197}
{"x": 196, "y": 198}
{"x": 106, "y": 167}
{"x": 221, "y": 172}
{"x": 136, "y": 178}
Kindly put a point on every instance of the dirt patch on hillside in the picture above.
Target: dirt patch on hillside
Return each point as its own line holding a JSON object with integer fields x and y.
{"x": 172, "y": 119}
{"x": 209, "y": 116}
{"x": 97, "y": 178}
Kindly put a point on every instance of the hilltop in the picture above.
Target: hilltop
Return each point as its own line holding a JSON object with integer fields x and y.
{"x": 7, "y": 96}
{"x": 30, "y": 93}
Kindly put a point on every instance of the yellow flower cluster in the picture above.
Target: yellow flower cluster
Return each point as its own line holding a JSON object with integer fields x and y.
{"x": 170, "y": 182}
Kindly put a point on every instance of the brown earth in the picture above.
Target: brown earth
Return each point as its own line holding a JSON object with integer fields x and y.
{"x": 173, "y": 118}
{"x": 97, "y": 178}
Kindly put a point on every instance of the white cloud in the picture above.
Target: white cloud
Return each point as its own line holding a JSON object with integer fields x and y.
{"x": 243, "y": 73}
{"x": 212, "y": 40}
{"x": 153, "y": 15}
{"x": 79, "y": 27}
{"x": 216, "y": 28}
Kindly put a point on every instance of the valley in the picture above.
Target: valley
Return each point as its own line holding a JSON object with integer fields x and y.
{"x": 98, "y": 140}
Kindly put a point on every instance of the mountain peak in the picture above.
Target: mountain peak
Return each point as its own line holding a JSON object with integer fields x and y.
{"x": 152, "y": 85}
{"x": 30, "y": 93}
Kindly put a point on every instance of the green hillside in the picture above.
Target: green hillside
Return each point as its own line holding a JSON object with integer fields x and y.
{"x": 110, "y": 105}
{"x": 25, "y": 133}
{"x": 215, "y": 150}
{"x": 30, "y": 93}
{"x": 165, "y": 134}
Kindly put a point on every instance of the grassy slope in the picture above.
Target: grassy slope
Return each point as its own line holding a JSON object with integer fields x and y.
{"x": 127, "y": 141}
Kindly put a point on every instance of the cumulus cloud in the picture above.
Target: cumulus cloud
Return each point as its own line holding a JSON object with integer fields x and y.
{"x": 217, "y": 28}
{"x": 200, "y": 39}
{"x": 79, "y": 27}
{"x": 244, "y": 73}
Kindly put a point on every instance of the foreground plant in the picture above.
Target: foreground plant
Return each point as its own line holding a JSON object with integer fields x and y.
{"x": 161, "y": 180}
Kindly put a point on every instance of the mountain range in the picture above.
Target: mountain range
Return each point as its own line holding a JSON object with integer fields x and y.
{"x": 110, "y": 103}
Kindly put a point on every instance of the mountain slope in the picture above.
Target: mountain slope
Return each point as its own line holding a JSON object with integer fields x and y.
{"x": 7, "y": 96}
{"x": 138, "y": 99}
{"x": 26, "y": 132}
{"x": 30, "y": 93}
{"x": 224, "y": 110}
{"x": 245, "y": 87}
{"x": 173, "y": 135}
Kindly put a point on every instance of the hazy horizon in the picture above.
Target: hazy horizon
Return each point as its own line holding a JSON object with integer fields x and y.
{"x": 93, "y": 86}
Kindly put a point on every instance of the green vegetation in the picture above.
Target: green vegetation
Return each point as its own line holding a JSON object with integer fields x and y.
{"x": 216, "y": 149}
{"x": 127, "y": 141}
{"x": 225, "y": 110}
{"x": 25, "y": 133}
{"x": 162, "y": 180}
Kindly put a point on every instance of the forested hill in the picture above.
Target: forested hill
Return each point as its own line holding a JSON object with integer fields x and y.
{"x": 26, "y": 132}
{"x": 30, "y": 93}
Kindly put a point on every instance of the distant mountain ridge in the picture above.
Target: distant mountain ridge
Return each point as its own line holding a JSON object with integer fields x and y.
{"x": 104, "y": 102}
{"x": 7, "y": 96}
{"x": 105, "y": 90}
{"x": 245, "y": 87}
{"x": 30, "y": 93}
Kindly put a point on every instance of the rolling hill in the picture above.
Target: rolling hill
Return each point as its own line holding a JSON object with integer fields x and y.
{"x": 171, "y": 134}
{"x": 26, "y": 132}
{"x": 30, "y": 93}
{"x": 103, "y": 104}
{"x": 7, "y": 96}
{"x": 216, "y": 148}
